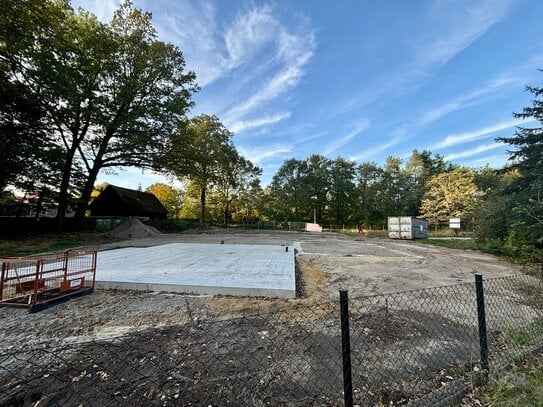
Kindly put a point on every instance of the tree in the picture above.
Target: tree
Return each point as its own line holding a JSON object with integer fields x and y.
{"x": 420, "y": 168}
{"x": 492, "y": 214}
{"x": 342, "y": 188}
{"x": 450, "y": 194}
{"x": 290, "y": 189}
{"x": 393, "y": 188}
{"x": 170, "y": 197}
{"x": 145, "y": 94}
{"x": 109, "y": 94}
{"x": 367, "y": 194}
{"x": 237, "y": 177}
{"x": 528, "y": 161}
{"x": 201, "y": 152}
{"x": 30, "y": 160}
{"x": 317, "y": 180}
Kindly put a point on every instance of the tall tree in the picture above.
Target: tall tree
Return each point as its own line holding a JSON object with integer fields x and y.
{"x": 367, "y": 194}
{"x": 200, "y": 152}
{"x": 290, "y": 189}
{"x": 420, "y": 168}
{"x": 528, "y": 160}
{"x": 450, "y": 194}
{"x": 317, "y": 180}
{"x": 42, "y": 41}
{"x": 238, "y": 176}
{"x": 145, "y": 94}
{"x": 342, "y": 188}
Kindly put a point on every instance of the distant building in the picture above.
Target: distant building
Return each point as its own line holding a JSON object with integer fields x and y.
{"x": 123, "y": 202}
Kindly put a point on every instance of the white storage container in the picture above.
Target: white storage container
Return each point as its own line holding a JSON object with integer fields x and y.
{"x": 407, "y": 227}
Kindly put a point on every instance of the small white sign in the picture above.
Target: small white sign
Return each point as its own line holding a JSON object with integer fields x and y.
{"x": 454, "y": 223}
{"x": 75, "y": 283}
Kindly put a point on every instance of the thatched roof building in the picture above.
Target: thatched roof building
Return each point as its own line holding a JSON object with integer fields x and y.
{"x": 124, "y": 202}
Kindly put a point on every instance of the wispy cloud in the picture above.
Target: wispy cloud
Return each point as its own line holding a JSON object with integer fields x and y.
{"x": 259, "y": 154}
{"x": 254, "y": 57}
{"x": 495, "y": 161}
{"x": 242, "y": 125}
{"x": 455, "y": 139}
{"x": 370, "y": 152}
{"x": 443, "y": 38}
{"x": 291, "y": 52}
{"x": 457, "y": 27}
{"x": 469, "y": 99}
{"x": 473, "y": 151}
{"x": 103, "y": 9}
{"x": 346, "y": 139}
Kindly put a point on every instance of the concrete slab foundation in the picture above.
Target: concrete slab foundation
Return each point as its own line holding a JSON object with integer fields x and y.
{"x": 238, "y": 269}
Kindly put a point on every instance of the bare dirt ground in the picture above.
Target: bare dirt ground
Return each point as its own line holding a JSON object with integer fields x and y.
{"x": 171, "y": 349}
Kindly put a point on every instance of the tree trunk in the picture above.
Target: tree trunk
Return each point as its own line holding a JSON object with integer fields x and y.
{"x": 83, "y": 202}
{"x": 62, "y": 201}
{"x": 202, "y": 205}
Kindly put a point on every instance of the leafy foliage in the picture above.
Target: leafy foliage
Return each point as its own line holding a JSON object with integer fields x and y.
{"x": 170, "y": 197}
{"x": 450, "y": 194}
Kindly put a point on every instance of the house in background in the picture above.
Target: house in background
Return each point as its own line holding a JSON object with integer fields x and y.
{"x": 120, "y": 202}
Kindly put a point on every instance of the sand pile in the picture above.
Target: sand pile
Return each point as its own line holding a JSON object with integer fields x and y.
{"x": 133, "y": 229}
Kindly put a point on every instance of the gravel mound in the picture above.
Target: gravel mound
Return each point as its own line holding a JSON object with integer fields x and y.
{"x": 133, "y": 229}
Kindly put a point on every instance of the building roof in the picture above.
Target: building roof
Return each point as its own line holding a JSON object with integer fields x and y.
{"x": 117, "y": 201}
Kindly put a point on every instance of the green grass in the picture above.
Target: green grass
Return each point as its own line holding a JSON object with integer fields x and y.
{"x": 521, "y": 336}
{"x": 21, "y": 248}
{"x": 515, "y": 255}
{"x": 523, "y": 386}
{"x": 49, "y": 243}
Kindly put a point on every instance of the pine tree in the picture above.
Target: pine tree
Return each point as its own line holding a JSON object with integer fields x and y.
{"x": 527, "y": 158}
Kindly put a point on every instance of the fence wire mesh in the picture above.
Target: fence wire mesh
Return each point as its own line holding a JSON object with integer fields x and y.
{"x": 419, "y": 348}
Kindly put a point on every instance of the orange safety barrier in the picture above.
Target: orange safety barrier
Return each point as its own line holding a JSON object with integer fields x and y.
{"x": 36, "y": 281}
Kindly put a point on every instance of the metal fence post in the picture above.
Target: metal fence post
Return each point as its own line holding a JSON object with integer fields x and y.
{"x": 346, "y": 348}
{"x": 483, "y": 342}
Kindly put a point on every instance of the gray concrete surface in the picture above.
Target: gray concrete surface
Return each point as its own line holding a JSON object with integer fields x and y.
{"x": 198, "y": 268}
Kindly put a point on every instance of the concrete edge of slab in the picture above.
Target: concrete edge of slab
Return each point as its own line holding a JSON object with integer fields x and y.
{"x": 197, "y": 289}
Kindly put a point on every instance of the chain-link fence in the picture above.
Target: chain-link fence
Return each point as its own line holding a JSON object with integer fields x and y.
{"x": 420, "y": 347}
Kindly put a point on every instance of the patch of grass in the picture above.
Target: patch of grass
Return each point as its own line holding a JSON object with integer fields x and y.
{"x": 495, "y": 247}
{"x": 520, "y": 336}
{"x": 453, "y": 243}
{"x": 49, "y": 243}
{"x": 17, "y": 248}
{"x": 521, "y": 387}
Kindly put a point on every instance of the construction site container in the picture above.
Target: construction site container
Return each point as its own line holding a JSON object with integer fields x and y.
{"x": 407, "y": 227}
{"x": 33, "y": 282}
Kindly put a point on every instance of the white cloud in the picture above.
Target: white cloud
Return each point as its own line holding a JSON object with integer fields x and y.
{"x": 254, "y": 58}
{"x": 457, "y": 27}
{"x": 103, "y": 9}
{"x": 455, "y": 139}
{"x": 342, "y": 141}
{"x": 258, "y": 154}
{"x": 473, "y": 151}
{"x": 448, "y": 29}
{"x": 469, "y": 99}
{"x": 494, "y": 161}
{"x": 242, "y": 125}
{"x": 369, "y": 152}
{"x": 292, "y": 52}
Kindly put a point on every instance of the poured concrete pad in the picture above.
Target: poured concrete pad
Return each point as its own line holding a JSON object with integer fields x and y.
{"x": 239, "y": 269}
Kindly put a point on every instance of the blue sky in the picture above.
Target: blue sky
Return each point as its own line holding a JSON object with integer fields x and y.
{"x": 360, "y": 79}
